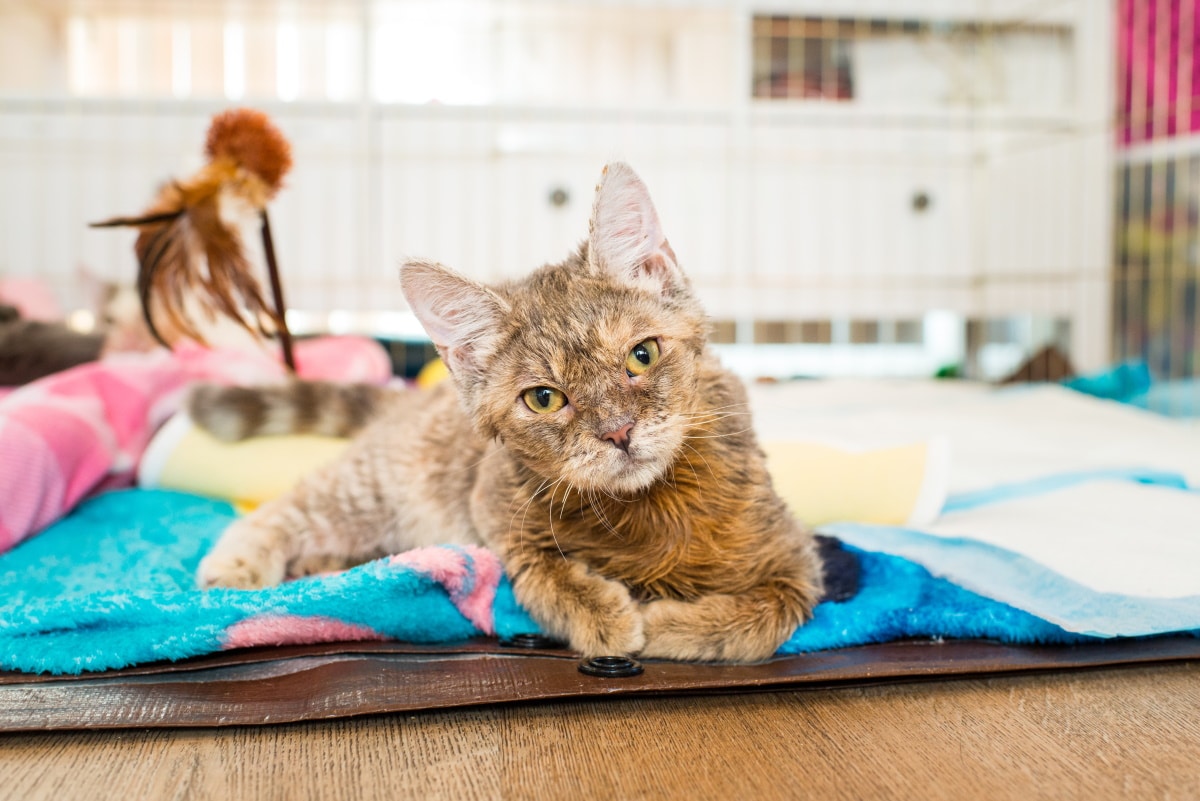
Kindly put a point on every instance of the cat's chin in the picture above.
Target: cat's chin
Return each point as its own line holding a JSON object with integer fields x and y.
{"x": 627, "y": 476}
{"x": 649, "y": 460}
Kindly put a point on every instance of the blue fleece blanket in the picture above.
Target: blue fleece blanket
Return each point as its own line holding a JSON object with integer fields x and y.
{"x": 111, "y": 586}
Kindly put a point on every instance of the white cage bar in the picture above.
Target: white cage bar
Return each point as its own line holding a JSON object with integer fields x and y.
{"x": 964, "y": 174}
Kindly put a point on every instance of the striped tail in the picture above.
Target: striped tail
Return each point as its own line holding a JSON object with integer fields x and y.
{"x": 298, "y": 407}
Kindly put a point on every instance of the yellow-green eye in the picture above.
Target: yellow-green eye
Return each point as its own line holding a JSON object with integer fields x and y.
{"x": 544, "y": 400}
{"x": 642, "y": 357}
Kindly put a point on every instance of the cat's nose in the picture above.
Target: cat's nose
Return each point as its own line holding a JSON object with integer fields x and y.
{"x": 619, "y": 437}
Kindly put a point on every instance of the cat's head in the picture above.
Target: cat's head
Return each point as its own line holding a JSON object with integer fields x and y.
{"x": 586, "y": 370}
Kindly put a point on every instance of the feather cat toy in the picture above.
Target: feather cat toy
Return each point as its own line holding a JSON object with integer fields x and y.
{"x": 190, "y": 248}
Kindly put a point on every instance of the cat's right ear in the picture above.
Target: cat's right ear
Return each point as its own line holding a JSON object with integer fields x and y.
{"x": 460, "y": 315}
{"x": 626, "y": 237}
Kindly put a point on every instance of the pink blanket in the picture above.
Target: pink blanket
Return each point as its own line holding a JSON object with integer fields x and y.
{"x": 83, "y": 430}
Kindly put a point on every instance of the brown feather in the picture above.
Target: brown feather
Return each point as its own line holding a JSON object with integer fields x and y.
{"x": 186, "y": 250}
{"x": 151, "y": 246}
{"x": 168, "y": 275}
{"x": 130, "y": 222}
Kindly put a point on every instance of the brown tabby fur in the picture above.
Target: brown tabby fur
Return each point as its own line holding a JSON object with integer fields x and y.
{"x": 673, "y": 545}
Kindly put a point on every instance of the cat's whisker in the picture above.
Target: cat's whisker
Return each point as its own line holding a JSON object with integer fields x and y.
{"x": 708, "y": 422}
{"x": 602, "y": 517}
{"x": 692, "y": 467}
{"x": 697, "y": 428}
{"x": 700, "y": 427}
{"x": 616, "y": 498}
{"x": 476, "y": 464}
{"x": 562, "y": 507}
{"x": 731, "y": 409}
{"x": 719, "y": 436}
{"x": 713, "y": 415}
{"x": 694, "y": 424}
{"x": 672, "y": 482}
{"x": 607, "y": 523}
{"x": 701, "y": 421}
{"x": 525, "y": 506}
{"x": 701, "y": 455}
{"x": 709, "y": 425}
{"x": 739, "y": 405}
{"x": 553, "y": 535}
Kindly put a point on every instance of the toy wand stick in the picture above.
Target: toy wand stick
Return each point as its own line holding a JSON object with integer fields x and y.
{"x": 285, "y": 335}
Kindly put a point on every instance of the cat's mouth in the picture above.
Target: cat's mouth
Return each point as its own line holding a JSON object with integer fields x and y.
{"x": 633, "y": 476}
{"x": 630, "y": 469}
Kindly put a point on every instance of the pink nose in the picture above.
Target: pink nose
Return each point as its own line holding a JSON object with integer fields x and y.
{"x": 619, "y": 437}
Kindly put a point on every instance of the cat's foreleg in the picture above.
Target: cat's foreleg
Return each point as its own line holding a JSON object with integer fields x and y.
{"x": 596, "y": 616}
{"x": 748, "y": 627}
{"x": 254, "y": 551}
{"x": 330, "y": 520}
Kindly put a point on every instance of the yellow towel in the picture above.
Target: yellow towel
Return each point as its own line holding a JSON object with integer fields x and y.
{"x": 904, "y": 485}
{"x": 247, "y": 473}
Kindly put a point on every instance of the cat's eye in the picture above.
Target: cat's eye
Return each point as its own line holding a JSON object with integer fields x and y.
{"x": 544, "y": 400}
{"x": 642, "y": 357}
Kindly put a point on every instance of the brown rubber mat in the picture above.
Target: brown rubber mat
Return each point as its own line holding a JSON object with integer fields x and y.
{"x": 298, "y": 683}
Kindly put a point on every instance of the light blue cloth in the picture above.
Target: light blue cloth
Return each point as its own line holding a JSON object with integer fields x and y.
{"x": 1022, "y": 582}
{"x": 1179, "y": 398}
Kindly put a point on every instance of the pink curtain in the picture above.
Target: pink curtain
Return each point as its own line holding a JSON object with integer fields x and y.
{"x": 1157, "y": 71}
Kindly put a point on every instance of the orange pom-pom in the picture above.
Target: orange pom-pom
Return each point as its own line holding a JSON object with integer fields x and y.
{"x": 250, "y": 138}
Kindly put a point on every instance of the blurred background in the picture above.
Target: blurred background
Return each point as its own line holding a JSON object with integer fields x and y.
{"x": 856, "y": 187}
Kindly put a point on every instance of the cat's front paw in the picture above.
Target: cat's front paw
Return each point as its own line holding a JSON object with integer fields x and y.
{"x": 594, "y": 615}
{"x": 611, "y": 625}
{"x": 240, "y": 562}
{"x": 716, "y": 628}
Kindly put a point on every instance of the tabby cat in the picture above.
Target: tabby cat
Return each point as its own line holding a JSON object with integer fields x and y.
{"x": 588, "y": 436}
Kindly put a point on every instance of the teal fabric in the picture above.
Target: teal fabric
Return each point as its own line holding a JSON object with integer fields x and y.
{"x": 112, "y": 585}
{"x": 1133, "y": 383}
{"x": 900, "y": 600}
{"x": 1123, "y": 382}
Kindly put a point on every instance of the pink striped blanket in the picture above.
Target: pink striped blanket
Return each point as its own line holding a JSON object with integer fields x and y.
{"x": 81, "y": 431}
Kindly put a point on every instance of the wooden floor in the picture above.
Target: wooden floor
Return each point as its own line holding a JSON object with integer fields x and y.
{"x": 1130, "y": 733}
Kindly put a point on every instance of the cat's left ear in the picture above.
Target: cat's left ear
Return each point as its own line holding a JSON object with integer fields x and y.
{"x": 626, "y": 237}
{"x": 461, "y": 316}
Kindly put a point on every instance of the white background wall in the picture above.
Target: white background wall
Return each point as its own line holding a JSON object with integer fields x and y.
{"x": 441, "y": 129}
